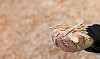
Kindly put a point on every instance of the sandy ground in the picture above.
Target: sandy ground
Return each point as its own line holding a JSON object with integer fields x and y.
{"x": 25, "y": 27}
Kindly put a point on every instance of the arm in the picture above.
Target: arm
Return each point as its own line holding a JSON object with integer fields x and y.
{"x": 77, "y": 41}
{"x": 94, "y": 32}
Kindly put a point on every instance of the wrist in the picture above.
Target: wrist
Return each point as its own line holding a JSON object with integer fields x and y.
{"x": 88, "y": 43}
{"x": 93, "y": 31}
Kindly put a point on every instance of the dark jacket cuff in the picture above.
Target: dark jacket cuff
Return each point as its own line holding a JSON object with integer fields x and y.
{"x": 94, "y": 32}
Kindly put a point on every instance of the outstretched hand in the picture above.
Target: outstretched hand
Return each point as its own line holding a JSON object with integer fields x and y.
{"x": 68, "y": 45}
{"x": 71, "y": 38}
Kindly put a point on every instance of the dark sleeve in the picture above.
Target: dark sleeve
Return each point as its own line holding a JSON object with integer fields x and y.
{"x": 94, "y": 32}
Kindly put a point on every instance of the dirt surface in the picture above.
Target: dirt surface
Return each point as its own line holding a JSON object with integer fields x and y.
{"x": 25, "y": 27}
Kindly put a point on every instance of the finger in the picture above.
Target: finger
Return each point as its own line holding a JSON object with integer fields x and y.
{"x": 70, "y": 43}
{"x": 81, "y": 41}
{"x": 62, "y": 45}
{"x": 80, "y": 45}
{"x": 56, "y": 43}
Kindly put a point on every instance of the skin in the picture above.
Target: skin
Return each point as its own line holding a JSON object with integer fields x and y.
{"x": 71, "y": 46}
{"x": 65, "y": 43}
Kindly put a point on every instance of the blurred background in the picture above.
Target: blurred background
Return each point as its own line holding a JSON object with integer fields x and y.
{"x": 25, "y": 27}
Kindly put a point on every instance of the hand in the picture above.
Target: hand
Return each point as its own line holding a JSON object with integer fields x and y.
{"x": 71, "y": 38}
{"x": 67, "y": 45}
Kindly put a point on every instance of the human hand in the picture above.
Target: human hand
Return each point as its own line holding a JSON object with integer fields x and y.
{"x": 74, "y": 41}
